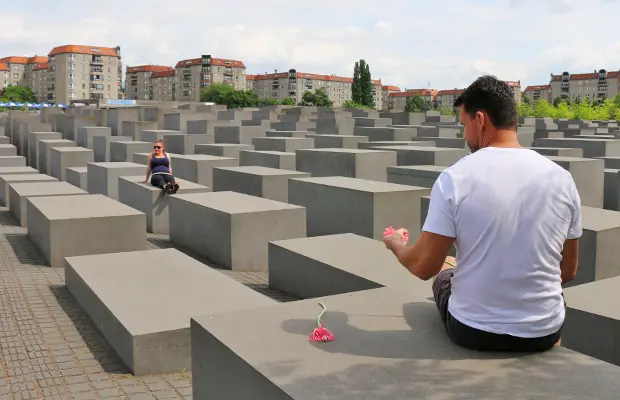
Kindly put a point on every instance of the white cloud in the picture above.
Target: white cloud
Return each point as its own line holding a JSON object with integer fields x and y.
{"x": 407, "y": 43}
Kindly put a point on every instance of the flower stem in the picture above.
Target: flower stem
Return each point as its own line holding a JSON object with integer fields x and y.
{"x": 318, "y": 319}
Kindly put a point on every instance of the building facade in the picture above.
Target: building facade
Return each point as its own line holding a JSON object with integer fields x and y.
{"x": 41, "y": 77}
{"x": 537, "y": 92}
{"x": 195, "y": 74}
{"x": 386, "y": 90}
{"x": 293, "y": 84}
{"x": 4, "y": 75}
{"x": 446, "y": 98}
{"x": 162, "y": 86}
{"x": 84, "y": 72}
{"x": 21, "y": 68}
{"x": 398, "y": 100}
{"x": 138, "y": 81}
{"x": 597, "y": 85}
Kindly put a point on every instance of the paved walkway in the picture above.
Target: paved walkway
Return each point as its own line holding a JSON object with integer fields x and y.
{"x": 51, "y": 349}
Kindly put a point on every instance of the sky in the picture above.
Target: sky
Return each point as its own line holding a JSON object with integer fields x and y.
{"x": 441, "y": 44}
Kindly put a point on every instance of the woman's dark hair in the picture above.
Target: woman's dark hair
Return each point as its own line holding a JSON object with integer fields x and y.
{"x": 493, "y": 96}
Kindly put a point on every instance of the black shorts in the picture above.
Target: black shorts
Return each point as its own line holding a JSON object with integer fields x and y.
{"x": 476, "y": 339}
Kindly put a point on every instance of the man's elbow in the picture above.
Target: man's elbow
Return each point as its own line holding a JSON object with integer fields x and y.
{"x": 568, "y": 276}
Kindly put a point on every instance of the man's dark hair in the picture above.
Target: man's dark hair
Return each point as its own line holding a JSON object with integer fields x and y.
{"x": 489, "y": 94}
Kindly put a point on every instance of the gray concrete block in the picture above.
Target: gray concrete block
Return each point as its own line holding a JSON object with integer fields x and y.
{"x": 133, "y": 129}
{"x": 416, "y": 175}
{"x": 298, "y": 134}
{"x": 77, "y": 176}
{"x": 352, "y": 163}
{"x": 337, "y": 141}
{"x": 282, "y": 144}
{"x": 422, "y": 155}
{"x": 62, "y": 157}
{"x": 185, "y": 144}
{"x": 390, "y": 344}
{"x": 598, "y": 246}
{"x": 12, "y": 161}
{"x": 142, "y": 302}
{"x": 20, "y": 192}
{"x": 222, "y": 149}
{"x": 124, "y": 150}
{"x": 591, "y": 147}
{"x": 268, "y": 183}
{"x": 376, "y": 145}
{"x": 589, "y": 177}
{"x": 86, "y": 134}
{"x": 17, "y": 170}
{"x": 611, "y": 162}
{"x": 198, "y": 168}
{"x": 268, "y": 159}
{"x": 6, "y": 180}
{"x": 158, "y": 134}
{"x": 206, "y": 127}
{"x": 5, "y": 140}
{"x": 103, "y": 177}
{"x": 559, "y": 152}
{"x": 33, "y": 145}
{"x": 592, "y": 324}
{"x": 101, "y": 145}
{"x": 151, "y": 200}
{"x": 346, "y": 205}
{"x": 611, "y": 189}
{"x": 65, "y": 226}
{"x": 44, "y": 158}
{"x": 378, "y": 134}
{"x": 233, "y": 229}
{"x": 315, "y": 267}
{"x": 7, "y": 150}
{"x": 238, "y": 134}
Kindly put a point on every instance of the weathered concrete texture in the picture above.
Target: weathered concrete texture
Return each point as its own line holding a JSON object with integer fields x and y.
{"x": 347, "y": 205}
{"x": 559, "y": 152}
{"x": 86, "y": 134}
{"x": 124, "y": 150}
{"x": 335, "y": 264}
{"x": 142, "y": 302}
{"x": 68, "y": 226}
{"x": 237, "y": 134}
{"x": 7, "y": 150}
{"x": 63, "y": 157}
{"x": 6, "y": 180}
{"x": 418, "y": 175}
{"x": 589, "y": 178}
{"x": 198, "y": 168}
{"x": 611, "y": 189}
{"x": 233, "y": 229}
{"x": 389, "y": 344}
{"x": 337, "y": 141}
{"x": 185, "y": 144}
{"x": 352, "y": 163}
{"x": 268, "y": 183}
{"x": 222, "y": 149}
{"x": 33, "y": 145}
{"x": 267, "y": 159}
{"x": 421, "y": 155}
{"x": 377, "y": 145}
{"x": 592, "y": 325}
{"x": 591, "y": 147}
{"x": 19, "y": 192}
{"x": 151, "y": 136}
{"x": 598, "y": 246}
{"x": 283, "y": 144}
{"x": 12, "y": 161}
{"x": 44, "y": 158}
{"x": 151, "y": 200}
{"x": 77, "y": 176}
{"x": 103, "y": 177}
{"x": 101, "y": 146}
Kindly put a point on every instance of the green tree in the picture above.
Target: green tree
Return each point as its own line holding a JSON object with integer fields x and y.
{"x": 416, "y": 104}
{"x": 289, "y": 101}
{"x": 18, "y": 94}
{"x": 557, "y": 101}
{"x": 443, "y": 110}
{"x": 543, "y": 109}
{"x": 564, "y": 111}
{"x": 356, "y": 87}
{"x": 367, "y": 97}
{"x": 215, "y": 93}
{"x": 525, "y": 110}
{"x": 268, "y": 102}
{"x": 318, "y": 98}
{"x": 526, "y": 99}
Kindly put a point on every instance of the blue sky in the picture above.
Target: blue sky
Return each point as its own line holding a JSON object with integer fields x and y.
{"x": 408, "y": 43}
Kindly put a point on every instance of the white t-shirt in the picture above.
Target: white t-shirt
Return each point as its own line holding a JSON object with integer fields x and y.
{"x": 510, "y": 211}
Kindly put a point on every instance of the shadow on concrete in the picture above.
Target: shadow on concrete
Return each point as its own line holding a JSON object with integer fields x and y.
{"x": 7, "y": 219}
{"x": 104, "y": 353}
{"x": 24, "y": 250}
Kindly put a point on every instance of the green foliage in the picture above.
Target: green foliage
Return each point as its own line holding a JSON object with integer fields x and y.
{"x": 443, "y": 110}
{"x": 361, "y": 88}
{"x": 526, "y": 99}
{"x": 318, "y": 98}
{"x": 582, "y": 109}
{"x": 288, "y": 102}
{"x": 219, "y": 93}
{"x": 353, "y": 104}
{"x": 416, "y": 103}
{"x": 18, "y": 94}
{"x": 356, "y": 88}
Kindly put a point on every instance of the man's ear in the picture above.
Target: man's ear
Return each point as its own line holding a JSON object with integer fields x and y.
{"x": 481, "y": 120}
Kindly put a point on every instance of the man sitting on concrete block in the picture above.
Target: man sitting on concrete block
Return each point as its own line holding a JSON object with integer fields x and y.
{"x": 159, "y": 169}
{"x": 515, "y": 217}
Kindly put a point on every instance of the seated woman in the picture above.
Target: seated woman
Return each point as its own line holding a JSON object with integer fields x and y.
{"x": 159, "y": 169}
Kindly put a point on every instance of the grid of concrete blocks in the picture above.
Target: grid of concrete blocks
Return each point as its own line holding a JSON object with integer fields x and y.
{"x": 302, "y": 194}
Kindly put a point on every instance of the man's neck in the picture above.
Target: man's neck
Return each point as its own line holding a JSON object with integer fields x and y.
{"x": 505, "y": 138}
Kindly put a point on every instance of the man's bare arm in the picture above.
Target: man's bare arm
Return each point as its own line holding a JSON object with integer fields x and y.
{"x": 425, "y": 258}
{"x": 570, "y": 260}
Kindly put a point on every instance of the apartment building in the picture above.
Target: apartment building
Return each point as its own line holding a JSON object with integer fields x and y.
{"x": 84, "y": 72}
{"x": 20, "y": 68}
{"x": 162, "y": 85}
{"x": 197, "y": 73}
{"x": 597, "y": 85}
{"x": 293, "y": 84}
{"x": 138, "y": 82}
{"x": 446, "y": 98}
{"x": 4, "y": 75}
{"x": 537, "y": 92}
{"x": 398, "y": 100}
{"x": 386, "y": 90}
{"x": 41, "y": 77}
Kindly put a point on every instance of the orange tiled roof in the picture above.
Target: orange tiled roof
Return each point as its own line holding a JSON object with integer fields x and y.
{"x": 214, "y": 61}
{"x": 4, "y": 67}
{"x": 37, "y": 59}
{"x": 536, "y": 87}
{"x": 451, "y": 92}
{"x": 391, "y": 88}
{"x": 84, "y": 49}
{"x": 40, "y": 66}
{"x": 14, "y": 60}
{"x": 305, "y": 75}
{"x": 581, "y": 77}
{"x": 415, "y": 92}
{"x": 613, "y": 74}
{"x": 148, "y": 68}
{"x": 163, "y": 74}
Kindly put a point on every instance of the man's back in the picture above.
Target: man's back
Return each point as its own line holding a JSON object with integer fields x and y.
{"x": 512, "y": 209}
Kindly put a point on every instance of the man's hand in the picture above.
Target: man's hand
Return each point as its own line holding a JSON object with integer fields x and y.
{"x": 397, "y": 237}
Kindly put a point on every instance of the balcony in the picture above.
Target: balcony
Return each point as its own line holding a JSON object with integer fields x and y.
{"x": 187, "y": 71}
{"x": 228, "y": 71}
{"x": 96, "y": 68}
{"x": 206, "y": 70}
{"x": 602, "y": 88}
{"x": 96, "y": 60}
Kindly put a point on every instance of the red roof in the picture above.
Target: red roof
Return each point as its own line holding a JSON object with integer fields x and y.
{"x": 415, "y": 92}
{"x": 214, "y": 61}
{"x": 163, "y": 74}
{"x": 536, "y": 87}
{"x": 40, "y": 66}
{"x": 84, "y": 49}
{"x": 23, "y": 60}
{"x": 4, "y": 67}
{"x": 148, "y": 68}
{"x": 391, "y": 88}
{"x": 305, "y": 75}
{"x": 451, "y": 92}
